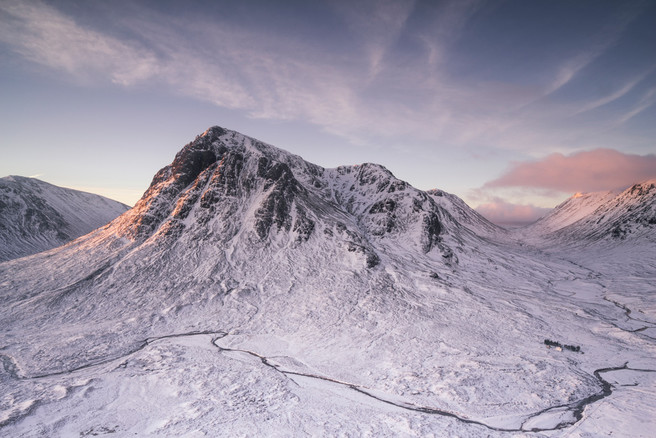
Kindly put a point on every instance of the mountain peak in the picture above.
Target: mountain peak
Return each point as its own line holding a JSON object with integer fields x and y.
{"x": 236, "y": 187}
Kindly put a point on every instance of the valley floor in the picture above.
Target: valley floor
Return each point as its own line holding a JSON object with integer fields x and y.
{"x": 464, "y": 356}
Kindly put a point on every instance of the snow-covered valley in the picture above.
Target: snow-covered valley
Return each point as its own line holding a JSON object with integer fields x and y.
{"x": 250, "y": 293}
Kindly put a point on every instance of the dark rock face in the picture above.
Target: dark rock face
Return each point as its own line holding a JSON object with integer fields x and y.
{"x": 303, "y": 226}
{"x": 376, "y": 175}
{"x": 276, "y": 207}
{"x": 641, "y": 190}
{"x": 386, "y": 206}
{"x": 210, "y": 170}
{"x": 385, "y": 219}
{"x": 168, "y": 193}
{"x": 41, "y": 218}
{"x": 225, "y": 179}
{"x": 618, "y": 232}
{"x": 189, "y": 163}
{"x": 432, "y": 230}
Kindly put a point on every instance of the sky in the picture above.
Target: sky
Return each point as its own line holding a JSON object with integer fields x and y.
{"x": 511, "y": 105}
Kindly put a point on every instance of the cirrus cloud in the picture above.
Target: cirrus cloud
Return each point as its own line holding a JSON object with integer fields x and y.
{"x": 40, "y": 33}
{"x": 588, "y": 171}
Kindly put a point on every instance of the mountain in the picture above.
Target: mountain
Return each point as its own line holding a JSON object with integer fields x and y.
{"x": 601, "y": 217}
{"x": 36, "y": 216}
{"x": 465, "y": 215}
{"x": 252, "y": 293}
{"x": 573, "y": 209}
{"x": 631, "y": 214}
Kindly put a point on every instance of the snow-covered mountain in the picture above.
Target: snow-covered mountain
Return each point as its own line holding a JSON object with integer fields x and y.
{"x": 632, "y": 213}
{"x": 36, "y": 216}
{"x": 601, "y": 217}
{"x": 251, "y": 293}
{"x": 573, "y": 209}
{"x": 465, "y": 215}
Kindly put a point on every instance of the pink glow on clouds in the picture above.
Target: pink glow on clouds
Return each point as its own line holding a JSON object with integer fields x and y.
{"x": 590, "y": 171}
{"x": 504, "y": 213}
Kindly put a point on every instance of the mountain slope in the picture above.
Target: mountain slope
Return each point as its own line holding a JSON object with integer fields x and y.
{"x": 251, "y": 291}
{"x": 631, "y": 214}
{"x": 233, "y": 215}
{"x": 573, "y": 209}
{"x": 36, "y": 216}
{"x": 465, "y": 215}
{"x": 602, "y": 217}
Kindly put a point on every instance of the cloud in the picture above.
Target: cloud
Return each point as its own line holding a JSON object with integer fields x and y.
{"x": 378, "y": 24}
{"x": 394, "y": 82}
{"x": 43, "y": 35}
{"x": 616, "y": 94}
{"x": 589, "y": 171}
{"x": 358, "y": 92}
{"x": 647, "y": 100}
{"x": 600, "y": 42}
{"x": 571, "y": 68}
{"x": 505, "y": 213}
{"x": 229, "y": 66}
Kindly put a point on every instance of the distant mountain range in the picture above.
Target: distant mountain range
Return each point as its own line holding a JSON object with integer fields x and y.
{"x": 36, "y": 216}
{"x": 250, "y": 293}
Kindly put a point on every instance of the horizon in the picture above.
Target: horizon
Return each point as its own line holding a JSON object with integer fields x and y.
{"x": 513, "y": 107}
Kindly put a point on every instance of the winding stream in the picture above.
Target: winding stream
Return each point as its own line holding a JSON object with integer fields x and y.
{"x": 575, "y": 409}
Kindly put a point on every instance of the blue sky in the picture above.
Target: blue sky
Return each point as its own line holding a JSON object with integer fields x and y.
{"x": 460, "y": 95}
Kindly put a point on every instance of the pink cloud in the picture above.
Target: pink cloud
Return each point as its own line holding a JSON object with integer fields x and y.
{"x": 590, "y": 171}
{"x": 504, "y": 213}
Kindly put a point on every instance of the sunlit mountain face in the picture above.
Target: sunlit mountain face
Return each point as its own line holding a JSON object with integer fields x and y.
{"x": 250, "y": 292}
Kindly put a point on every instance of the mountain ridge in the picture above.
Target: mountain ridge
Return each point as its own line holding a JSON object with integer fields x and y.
{"x": 210, "y": 168}
{"x": 600, "y": 217}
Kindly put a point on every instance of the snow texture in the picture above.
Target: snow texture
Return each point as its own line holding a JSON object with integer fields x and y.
{"x": 250, "y": 293}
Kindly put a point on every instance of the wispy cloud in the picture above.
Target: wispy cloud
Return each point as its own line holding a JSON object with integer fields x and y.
{"x": 447, "y": 20}
{"x": 394, "y": 79}
{"x": 378, "y": 25}
{"x": 617, "y": 94}
{"x": 600, "y": 169}
{"x": 268, "y": 76}
{"x": 599, "y": 43}
{"x": 647, "y": 100}
{"x": 571, "y": 68}
{"x": 43, "y": 35}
